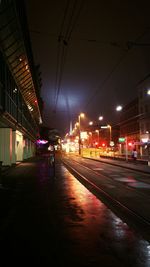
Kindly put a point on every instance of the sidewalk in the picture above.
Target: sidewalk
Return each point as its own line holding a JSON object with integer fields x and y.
{"x": 56, "y": 221}
{"x": 124, "y": 164}
{"x": 48, "y": 221}
{"x": 6, "y": 168}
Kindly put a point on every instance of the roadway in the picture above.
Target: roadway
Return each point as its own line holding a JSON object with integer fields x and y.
{"x": 62, "y": 220}
{"x": 124, "y": 187}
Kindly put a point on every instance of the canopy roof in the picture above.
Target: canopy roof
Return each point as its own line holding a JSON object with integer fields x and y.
{"x": 16, "y": 48}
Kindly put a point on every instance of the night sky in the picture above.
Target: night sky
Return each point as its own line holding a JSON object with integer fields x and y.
{"x": 92, "y": 55}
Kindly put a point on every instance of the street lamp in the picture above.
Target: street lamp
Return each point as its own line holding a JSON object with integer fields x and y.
{"x": 97, "y": 131}
{"x": 109, "y": 126}
{"x": 148, "y": 91}
{"x": 100, "y": 118}
{"x": 119, "y": 108}
{"x": 81, "y": 115}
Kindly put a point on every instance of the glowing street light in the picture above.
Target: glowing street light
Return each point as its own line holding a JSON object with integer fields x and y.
{"x": 100, "y": 118}
{"x": 97, "y": 131}
{"x": 91, "y": 123}
{"x": 119, "y": 108}
{"x": 109, "y": 126}
{"x": 81, "y": 115}
{"x": 148, "y": 92}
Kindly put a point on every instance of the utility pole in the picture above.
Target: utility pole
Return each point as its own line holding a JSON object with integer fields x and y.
{"x": 70, "y": 127}
{"x": 126, "y": 142}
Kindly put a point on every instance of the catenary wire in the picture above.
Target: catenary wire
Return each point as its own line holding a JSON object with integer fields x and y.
{"x": 129, "y": 47}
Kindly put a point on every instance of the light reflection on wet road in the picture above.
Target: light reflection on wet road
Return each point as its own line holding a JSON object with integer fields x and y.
{"x": 98, "y": 233}
{"x": 131, "y": 178}
{"x": 58, "y": 222}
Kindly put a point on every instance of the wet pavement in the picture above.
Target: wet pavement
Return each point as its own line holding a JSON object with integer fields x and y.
{"x": 132, "y": 165}
{"x": 56, "y": 221}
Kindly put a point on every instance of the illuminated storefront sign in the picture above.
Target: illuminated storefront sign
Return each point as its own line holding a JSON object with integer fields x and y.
{"x": 39, "y": 141}
{"x": 121, "y": 139}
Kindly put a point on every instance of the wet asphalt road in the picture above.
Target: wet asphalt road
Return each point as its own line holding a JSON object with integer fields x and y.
{"x": 47, "y": 221}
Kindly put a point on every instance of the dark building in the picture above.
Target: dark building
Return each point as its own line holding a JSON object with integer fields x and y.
{"x": 144, "y": 111}
{"x": 129, "y": 126}
{"x": 20, "y": 101}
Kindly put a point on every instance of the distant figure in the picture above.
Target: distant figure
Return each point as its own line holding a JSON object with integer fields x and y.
{"x": 135, "y": 155}
{"x": 132, "y": 154}
{"x": 51, "y": 159}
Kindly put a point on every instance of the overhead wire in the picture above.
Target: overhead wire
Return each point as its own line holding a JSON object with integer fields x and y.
{"x": 59, "y": 56}
{"x": 76, "y": 19}
{"x": 70, "y": 20}
{"x": 73, "y": 22}
{"x": 129, "y": 46}
{"x": 59, "y": 77}
{"x": 63, "y": 47}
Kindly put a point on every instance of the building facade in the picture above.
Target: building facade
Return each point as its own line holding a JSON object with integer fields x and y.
{"x": 144, "y": 111}
{"x": 130, "y": 127}
{"x": 20, "y": 113}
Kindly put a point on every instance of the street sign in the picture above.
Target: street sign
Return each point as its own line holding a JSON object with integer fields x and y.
{"x": 112, "y": 143}
{"x": 104, "y": 126}
{"x": 121, "y": 139}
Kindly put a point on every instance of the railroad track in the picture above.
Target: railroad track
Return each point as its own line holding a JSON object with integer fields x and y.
{"x": 124, "y": 206}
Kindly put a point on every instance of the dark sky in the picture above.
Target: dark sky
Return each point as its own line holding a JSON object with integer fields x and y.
{"x": 92, "y": 54}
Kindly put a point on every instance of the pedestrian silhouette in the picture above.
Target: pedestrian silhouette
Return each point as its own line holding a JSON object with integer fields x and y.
{"x": 135, "y": 155}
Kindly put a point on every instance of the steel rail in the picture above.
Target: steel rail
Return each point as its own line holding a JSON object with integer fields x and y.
{"x": 140, "y": 219}
{"x": 111, "y": 178}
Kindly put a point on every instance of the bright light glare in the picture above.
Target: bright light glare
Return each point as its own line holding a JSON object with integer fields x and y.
{"x": 81, "y": 115}
{"x": 83, "y": 135}
{"x": 39, "y": 141}
{"x": 119, "y": 108}
{"x": 148, "y": 92}
{"x": 70, "y": 146}
{"x": 91, "y": 123}
{"x": 100, "y": 118}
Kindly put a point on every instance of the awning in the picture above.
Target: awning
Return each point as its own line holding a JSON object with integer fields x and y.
{"x": 15, "y": 46}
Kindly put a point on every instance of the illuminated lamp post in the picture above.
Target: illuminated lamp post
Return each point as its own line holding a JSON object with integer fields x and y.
{"x": 100, "y": 118}
{"x": 97, "y": 131}
{"x": 81, "y": 115}
{"x": 119, "y": 108}
{"x": 90, "y": 133}
{"x": 109, "y": 126}
{"x": 148, "y": 92}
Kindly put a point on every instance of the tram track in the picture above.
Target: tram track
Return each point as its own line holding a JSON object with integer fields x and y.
{"x": 129, "y": 214}
{"x": 118, "y": 182}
